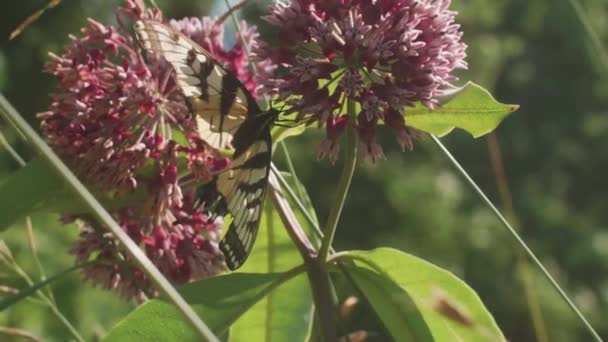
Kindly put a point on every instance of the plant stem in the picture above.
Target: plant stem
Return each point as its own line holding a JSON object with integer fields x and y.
{"x": 523, "y": 266}
{"x": 231, "y": 10}
{"x": 47, "y": 298}
{"x": 291, "y": 168}
{"x": 322, "y": 294}
{"x": 348, "y": 171}
{"x": 320, "y": 282}
{"x": 313, "y": 223}
{"x": 294, "y": 229}
{"x": 518, "y": 238}
{"x": 97, "y": 210}
{"x": 26, "y": 335}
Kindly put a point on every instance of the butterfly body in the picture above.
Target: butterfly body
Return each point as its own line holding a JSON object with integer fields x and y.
{"x": 227, "y": 116}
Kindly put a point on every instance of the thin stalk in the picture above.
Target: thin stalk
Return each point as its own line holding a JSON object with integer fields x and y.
{"x": 595, "y": 38}
{"x": 97, "y": 210}
{"x": 11, "y": 150}
{"x": 26, "y": 335}
{"x": 294, "y": 229}
{"x": 297, "y": 201}
{"x": 517, "y": 238}
{"x": 231, "y": 10}
{"x": 48, "y": 301}
{"x": 327, "y": 313}
{"x": 348, "y": 171}
{"x": 290, "y": 166}
{"x": 47, "y": 298}
{"x": 320, "y": 282}
{"x": 523, "y": 266}
{"x": 34, "y": 251}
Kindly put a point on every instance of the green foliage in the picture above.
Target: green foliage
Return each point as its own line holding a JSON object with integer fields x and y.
{"x": 471, "y": 108}
{"x": 285, "y": 312}
{"x": 524, "y": 51}
{"x": 281, "y": 309}
{"x": 219, "y": 301}
{"x": 25, "y": 190}
{"x": 392, "y": 304}
{"x": 409, "y": 294}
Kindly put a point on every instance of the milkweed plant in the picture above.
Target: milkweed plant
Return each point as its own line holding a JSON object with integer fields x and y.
{"x": 351, "y": 68}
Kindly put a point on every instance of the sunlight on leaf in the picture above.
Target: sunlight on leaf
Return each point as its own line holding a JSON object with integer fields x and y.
{"x": 394, "y": 306}
{"x": 471, "y": 108}
{"x": 450, "y": 309}
{"x": 284, "y": 314}
{"x": 219, "y": 301}
{"x": 283, "y": 132}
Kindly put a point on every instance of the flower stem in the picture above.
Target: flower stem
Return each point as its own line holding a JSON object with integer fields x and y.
{"x": 320, "y": 282}
{"x": 523, "y": 266}
{"x": 97, "y": 210}
{"x": 518, "y": 239}
{"x": 347, "y": 175}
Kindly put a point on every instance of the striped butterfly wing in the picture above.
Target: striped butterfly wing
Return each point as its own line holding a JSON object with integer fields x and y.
{"x": 219, "y": 100}
{"x": 243, "y": 188}
{"x": 227, "y": 116}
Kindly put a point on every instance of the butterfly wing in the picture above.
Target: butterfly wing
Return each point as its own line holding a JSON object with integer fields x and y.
{"x": 218, "y": 99}
{"x": 243, "y": 188}
{"x": 227, "y": 116}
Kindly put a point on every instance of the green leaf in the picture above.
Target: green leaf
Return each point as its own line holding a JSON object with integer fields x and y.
{"x": 451, "y": 310}
{"x": 471, "y": 108}
{"x": 219, "y": 301}
{"x": 280, "y": 132}
{"x": 285, "y": 313}
{"x": 25, "y": 190}
{"x": 393, "y": 305}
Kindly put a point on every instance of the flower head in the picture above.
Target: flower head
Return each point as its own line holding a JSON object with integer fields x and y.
{"x": 122, "y": 123}
{"x": 181, "y": 243}
{"x": 384, "y": 55}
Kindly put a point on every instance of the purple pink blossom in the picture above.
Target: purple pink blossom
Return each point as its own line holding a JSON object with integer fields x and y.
{"x": 119, "y": 120}
{"x": 384, "y": 55}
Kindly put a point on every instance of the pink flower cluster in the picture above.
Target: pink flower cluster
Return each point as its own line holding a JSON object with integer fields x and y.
{"x": 117, "y": 119}
{"x": 384, "y": 55}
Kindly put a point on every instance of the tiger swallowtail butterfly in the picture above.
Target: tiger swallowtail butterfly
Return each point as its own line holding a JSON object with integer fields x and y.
{"x": 227, "y": 116}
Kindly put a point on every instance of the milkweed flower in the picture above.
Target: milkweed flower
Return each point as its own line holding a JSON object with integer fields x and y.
{"x": 384, "y": 55}
{"x": 122, "y": 124}
{"x": 180, "y": 242}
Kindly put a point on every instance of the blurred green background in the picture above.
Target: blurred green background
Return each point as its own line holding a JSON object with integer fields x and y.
{"x": 535, "y": 53}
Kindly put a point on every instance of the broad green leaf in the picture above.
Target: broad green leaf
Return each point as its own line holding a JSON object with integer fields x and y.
{"x": 285, "y": 313}
{"x": 451, "y": 310}
{"x": 25, "y": 190}
{"x": 219, "y": 301}
{"x": 471, "y": 108}
{"x": 394, "y": 306}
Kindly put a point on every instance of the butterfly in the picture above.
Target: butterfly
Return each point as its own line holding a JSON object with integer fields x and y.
{"x": 227, "y": 116}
